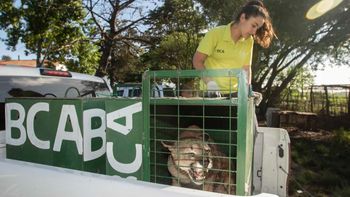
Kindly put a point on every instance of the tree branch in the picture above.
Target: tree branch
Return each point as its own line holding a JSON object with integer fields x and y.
{"x": 129, "y": 25}
{"x": 90, "y": 9}
{"x": 126, "y": 4}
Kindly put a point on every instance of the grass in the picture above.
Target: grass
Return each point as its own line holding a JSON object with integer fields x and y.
{"x": 320, "y": 167}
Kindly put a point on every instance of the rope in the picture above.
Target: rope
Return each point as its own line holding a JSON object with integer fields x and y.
{"x": 299, "y": 185}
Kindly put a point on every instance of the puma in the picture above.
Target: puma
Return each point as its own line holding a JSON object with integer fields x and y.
{"x": 196, "y": 162}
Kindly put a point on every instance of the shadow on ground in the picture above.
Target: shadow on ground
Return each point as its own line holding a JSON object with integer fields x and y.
{"x": 320, "y": 163}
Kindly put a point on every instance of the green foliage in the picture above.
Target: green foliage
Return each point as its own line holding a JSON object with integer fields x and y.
{"x": 342, "y": 191}
{"x": 304, "y": 78}
{"x": 49, "y": 29}
{"x": 221, "y": 12}
{"x": 342, "y": 138}
{"x": 6, "y": 58}
{"x": 297, "y": 94}
{"x": 126, "y": 64}
{"x": 321, "y": 166}
{"x": 85, "y": 58}
{"x": 175, "y": 51}
{"x": 176, "y": 16}
{"x": 175, "y": 28}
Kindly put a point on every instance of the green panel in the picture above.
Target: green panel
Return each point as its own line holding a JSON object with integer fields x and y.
{"x": 45, "y": 125}
{"x": 87, "y": 117}
{"x": 125, "y": 144}
{"x": 194, "y": 101}
{"x": 68, "y": 156}
{"x": 70, "y": 111}
{"x": 97, "y": 165}
{"x": 250, "y": 142}
{"x": 194, "y": 73}
{"x": 242, "y": 138}
{"x": 28, "y": 152}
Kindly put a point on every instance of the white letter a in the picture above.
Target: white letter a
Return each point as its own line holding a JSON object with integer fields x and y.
{"x": 68, "y": 111}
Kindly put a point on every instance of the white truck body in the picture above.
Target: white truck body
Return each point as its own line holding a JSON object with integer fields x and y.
{"x": 18, "y": 179}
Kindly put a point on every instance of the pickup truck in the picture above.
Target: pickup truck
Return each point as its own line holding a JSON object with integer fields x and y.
{"x": 120, "y": 146}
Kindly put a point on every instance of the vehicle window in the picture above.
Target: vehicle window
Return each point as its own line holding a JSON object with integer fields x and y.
{"x": 120, "y": 92}
{"x": 137, "y": 92}
{"x": 50, "y": 87}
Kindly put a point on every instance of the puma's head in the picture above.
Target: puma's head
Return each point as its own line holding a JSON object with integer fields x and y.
{"x": 191, "y": 155}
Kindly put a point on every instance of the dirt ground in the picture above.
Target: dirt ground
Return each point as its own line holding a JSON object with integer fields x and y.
{"x": 313, "y": 170}
{"x": 320, "y": 134}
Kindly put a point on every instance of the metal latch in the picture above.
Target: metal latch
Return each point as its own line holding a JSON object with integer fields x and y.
{"x": 280, "y": 151}
{"x": 259, "y": 173}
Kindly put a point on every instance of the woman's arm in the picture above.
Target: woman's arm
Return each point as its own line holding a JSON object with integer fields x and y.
{"x": 198, "y": 63}
{"x": 198, "y": 60}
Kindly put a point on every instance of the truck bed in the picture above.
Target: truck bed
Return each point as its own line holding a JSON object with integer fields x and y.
{"x": 19, "y": 178}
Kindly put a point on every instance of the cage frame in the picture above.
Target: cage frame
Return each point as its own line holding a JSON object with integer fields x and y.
{"x": 245, "y": 115}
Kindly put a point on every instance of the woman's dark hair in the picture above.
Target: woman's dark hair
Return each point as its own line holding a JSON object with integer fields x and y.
{"x": 264, "y": 34}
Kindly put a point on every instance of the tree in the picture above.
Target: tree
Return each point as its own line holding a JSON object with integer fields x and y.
{"x": 297, "y": 92}
{"x": 49, "y": 29}
{"x": 175, "y": 30}
{"x": 124, "y": 61}
{"x": 300, "y": 42}
{"x": 175, "y": 51}
{"x": 119, "y": 31}
{"x": 6, "y": 58}
{"x": 217, "y": 14}
{"x": 85, "y": 58}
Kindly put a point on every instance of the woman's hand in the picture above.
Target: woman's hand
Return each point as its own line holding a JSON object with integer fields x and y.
{"x": 213, "y": 89}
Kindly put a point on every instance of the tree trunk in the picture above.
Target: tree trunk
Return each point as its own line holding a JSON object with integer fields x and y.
{"x": 349, "y": 103}
{"x": 327, "y": 100}
{"x": 38, "y": 55}
{"x": 103, "y": 63}
{"x": 312, "y": 99}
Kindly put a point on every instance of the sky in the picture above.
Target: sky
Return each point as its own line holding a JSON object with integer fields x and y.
{"x": 333, "y": 75}
{"x": 13, "y": 54}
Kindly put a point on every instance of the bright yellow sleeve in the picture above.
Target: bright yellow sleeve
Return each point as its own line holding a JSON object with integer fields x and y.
{"x": 248, "y": 58}
{"x": 208, "y": 43}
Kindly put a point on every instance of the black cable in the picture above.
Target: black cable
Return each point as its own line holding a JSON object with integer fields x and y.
{"x": 299, "y": 185}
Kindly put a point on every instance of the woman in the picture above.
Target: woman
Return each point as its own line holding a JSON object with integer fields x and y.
{"x": 231, "y": 46}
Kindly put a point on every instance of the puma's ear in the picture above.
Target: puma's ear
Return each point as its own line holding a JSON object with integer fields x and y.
{"x": 206, "y": 137}
{"x": 167, "y": 144}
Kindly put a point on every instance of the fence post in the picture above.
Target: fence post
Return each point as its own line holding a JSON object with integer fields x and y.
{"x": 312, "y": 99}
{"x": 327, "y": 100}
{"x": 349, "y": 102}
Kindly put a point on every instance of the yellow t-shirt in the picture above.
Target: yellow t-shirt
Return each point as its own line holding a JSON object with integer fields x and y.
{"x": 224, "y": 53}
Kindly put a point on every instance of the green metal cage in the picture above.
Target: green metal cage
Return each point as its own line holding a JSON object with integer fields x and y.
{"x": 228, "y": 121}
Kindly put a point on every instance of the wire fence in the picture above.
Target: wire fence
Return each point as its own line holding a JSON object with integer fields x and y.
{"x": 329, "y": 100}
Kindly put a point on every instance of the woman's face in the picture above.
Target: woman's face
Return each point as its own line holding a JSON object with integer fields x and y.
{"x": 251, "y": 25}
